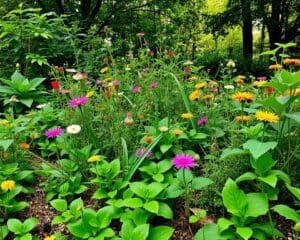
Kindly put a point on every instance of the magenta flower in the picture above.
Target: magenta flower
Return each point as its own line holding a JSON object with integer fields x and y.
{"x": 186, "y": 70}
{"x": 78, "y": 101}
{"x": 53, "y": 133}
{"x": 184, "y": 161}
{"x": 202, "y": 121}
{"x": 141, "y": 151}
{"x": 136, "y": 89}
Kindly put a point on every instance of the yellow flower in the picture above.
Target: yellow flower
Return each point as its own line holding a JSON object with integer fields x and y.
{"x": 187, "y": 115}
{"x": 177, "y": 132}
{"x": 243, "y": 96}
{"x": 104, "y": 70}
{"x": 90, "y": 94}
{"x": 259, "y": 83}
{"x": 266, "y": 116}
{"x": 275, "y": 67}
{"x": 7, "y": 185}
{"x": 52, "y": 237}
{"x": 94, "y": 158}
{"x": 194, "y": 95}
{"x": 200, "y": 85}
{"x": 193, "y": 78}
{"x": 242, "y": 118}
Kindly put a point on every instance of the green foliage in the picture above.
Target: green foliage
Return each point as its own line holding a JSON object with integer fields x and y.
{"x": 22, "y": 230}
{"x": 21, "y": 92}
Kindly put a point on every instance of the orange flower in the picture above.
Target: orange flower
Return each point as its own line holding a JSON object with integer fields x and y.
{"x": 208, "y": 97}
{"x": 292, "y": 61}
{"x": 242, "y": 118}
{"x": 243, "y": 96}
{"x": 275, "y": 67}
{"x": 24, "y": 145}
{"x": 239, "y": 81}
{"x": 148, "y": 139}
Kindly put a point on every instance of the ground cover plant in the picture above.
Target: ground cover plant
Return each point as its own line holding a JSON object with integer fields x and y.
{"x": 131, "y": 147}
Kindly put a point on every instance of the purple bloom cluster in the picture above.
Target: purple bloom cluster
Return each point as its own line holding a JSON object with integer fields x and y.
{"x": 53, "y": 133}
{"x": 78, "y": 101}
{"x": 141, "y": 151}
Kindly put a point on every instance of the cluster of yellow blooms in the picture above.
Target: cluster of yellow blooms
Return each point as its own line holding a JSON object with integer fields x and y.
{"x": 8, "y": 185}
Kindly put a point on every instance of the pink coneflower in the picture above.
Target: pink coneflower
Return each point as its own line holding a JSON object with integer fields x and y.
{"x": 53, "y": 133}
{"x": 153, "y": 85}
{"x": 139, "y": 152}
{"x": 78, "y": 101}
{"x": 202, "y": 121}
{"x": 136, "y": 89}
{"x": 184, "y": 161}
{"x": 261, "y": 78}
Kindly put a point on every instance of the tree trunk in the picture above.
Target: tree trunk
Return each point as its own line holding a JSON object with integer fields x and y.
{"x": 247, "y": 29}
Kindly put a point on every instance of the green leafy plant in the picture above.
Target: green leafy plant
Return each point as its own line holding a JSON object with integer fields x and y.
{"x": 21, "y": 92}
{"x": 22, "y": 229}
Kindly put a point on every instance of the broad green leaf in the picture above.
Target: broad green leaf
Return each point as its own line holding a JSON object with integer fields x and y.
{"x": 295, "y": 191}
{"x": 263, "y": 164}
{"x": 132, "y": 202}
{"x": 161, "y": 233}
{"x": 165, "y": 147}
{"x": 78, "y": 229}
{"x": 271, "y": 180}
{"x": 165, "y": 211}
{"x": 282, "y": 176}
{"x": 209, "y": 232}
{"x": 6, "y": 143}
{"x": 200, "y": 183}
{"x": 234, "y": 199}
{"x": 29, "y": 224}
{"x": 230, "y": 152}
{"x": 244, "y": 232}
{"x": 224, "y": 224}
{"x": 295, "y": 116}
{"x": 152, "y": 206}
{"x": 4, "y": 231}
{"x": 100, "y": 194}
{"x": 139, "y": 188}
{"x": 27, "y": 101}
{"x": 287, "y": 212}
{"x": 106, "y": 233}
{"x": 257, "y": 204}
{"x": 76, "y": 206}
{"x": 158, "y": 177}
{"x": 248, "y": 176}
{"x": 15, "y": 225}
{"x": 60, "y": 205}
{"x": 258, "y": 148}
{"x": 140, "y": 232}
{"x": 173, "y": 191}
{"x": 164, "y": 166}
{"x": 154, "y": 188}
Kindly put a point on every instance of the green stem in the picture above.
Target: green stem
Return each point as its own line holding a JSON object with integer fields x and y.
{"x": 187, "y": 196}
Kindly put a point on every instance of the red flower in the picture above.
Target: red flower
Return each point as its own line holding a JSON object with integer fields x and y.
{"x": 270, "y": 90}
{"x": 55, "y": 84}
